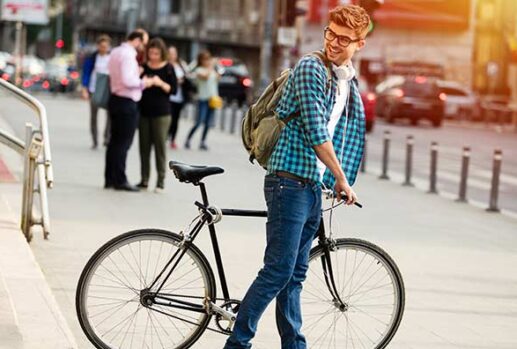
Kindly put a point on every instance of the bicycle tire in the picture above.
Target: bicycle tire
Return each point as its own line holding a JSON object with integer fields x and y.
{"x": 322, "y": 299}
{"x": 107, "y": 251}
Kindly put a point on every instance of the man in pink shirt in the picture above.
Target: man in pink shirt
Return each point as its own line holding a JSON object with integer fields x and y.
{"x": 126, "y": 91}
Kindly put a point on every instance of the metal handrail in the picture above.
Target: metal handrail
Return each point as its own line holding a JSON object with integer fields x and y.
{"x": 39, "y": 108}
{"x": 37, "y": 163}
{"x": 12, "y": 142}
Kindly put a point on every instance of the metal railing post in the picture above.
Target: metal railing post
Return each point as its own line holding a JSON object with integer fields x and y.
{"x": 385, "y": 155}
{"x": 496, "y": 174}
{"x": 434, "y": 168}
{"x": 462, "y": 195}
{"x": 409, "y": 161}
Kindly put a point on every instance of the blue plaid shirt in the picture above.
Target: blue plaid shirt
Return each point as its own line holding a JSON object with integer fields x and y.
{"x": 306, "y": 91}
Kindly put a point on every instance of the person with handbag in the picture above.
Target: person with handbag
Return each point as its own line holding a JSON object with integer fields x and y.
{"x": 207, "y": 79}
{"x": 155, "y": 112}
{"x": 95, "y": 78}
{"x": 182, "y": 94}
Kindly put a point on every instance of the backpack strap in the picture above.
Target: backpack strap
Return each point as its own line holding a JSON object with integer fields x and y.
{"x": 328, "y": 66}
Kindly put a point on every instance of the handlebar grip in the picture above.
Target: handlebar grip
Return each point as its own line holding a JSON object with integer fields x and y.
{"x": 345, "y": 198}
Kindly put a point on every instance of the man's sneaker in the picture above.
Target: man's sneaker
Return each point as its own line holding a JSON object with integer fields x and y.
{"x": 187, "y": 145}
{"x": 173, "y": 145}
{"x": 159, "y": 189}
{"x": 203, "y": 146}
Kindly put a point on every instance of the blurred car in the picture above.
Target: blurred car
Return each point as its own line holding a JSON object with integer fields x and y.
{"x": 235, "y": 83}
{"x": 8, "y": 71}
{"x": 4, "y": 59}
{"x": 369, "y": 99}
{"x": 61, "y": 77}
{"x": 461, "y": 103}
{"x": 495, "y": 108}
{"x": 410, "y": 97}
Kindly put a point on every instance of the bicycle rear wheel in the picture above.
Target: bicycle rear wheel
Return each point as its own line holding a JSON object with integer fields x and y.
{"x": 110, "y": 299}
{"x": 370, "y": 285}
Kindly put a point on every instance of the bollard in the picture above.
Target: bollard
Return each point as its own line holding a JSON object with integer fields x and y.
{"x": 363, "y": 161}
{"x": 496, "y": 173}
{"x": 244, "y": 110}
{"x": 189, "y": 111}
{"x": 462, "y": 196}
{"x": 409, "y": 161}
{"x": 434, "y": 168}
{"x": 224, "y": 110}
{"x": 234, "y": 117}
{"x": 385, "y": 156}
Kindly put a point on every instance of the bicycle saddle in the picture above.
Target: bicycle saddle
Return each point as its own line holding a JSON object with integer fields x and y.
{"x": 191, "y": 173}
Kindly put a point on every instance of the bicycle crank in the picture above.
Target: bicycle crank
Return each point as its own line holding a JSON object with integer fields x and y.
{"x": 226, "y": 314}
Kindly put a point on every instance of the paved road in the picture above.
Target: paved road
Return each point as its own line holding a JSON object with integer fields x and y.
{"x": 457, "y": 260}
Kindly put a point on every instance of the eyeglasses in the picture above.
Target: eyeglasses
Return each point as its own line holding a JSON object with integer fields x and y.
{"x": 342, "y": 40}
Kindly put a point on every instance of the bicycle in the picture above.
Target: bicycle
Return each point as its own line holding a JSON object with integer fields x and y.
{"x": 153, "y": 287}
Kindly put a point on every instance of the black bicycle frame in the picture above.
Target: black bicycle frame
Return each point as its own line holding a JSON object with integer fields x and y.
{"x": 206, "y": 217}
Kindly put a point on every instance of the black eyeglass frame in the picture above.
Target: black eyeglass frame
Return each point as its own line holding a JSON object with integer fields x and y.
{"x": 339, "y": 38}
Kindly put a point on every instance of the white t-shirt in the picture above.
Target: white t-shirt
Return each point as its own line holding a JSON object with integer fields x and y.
{"x": 101, "y": 67}
{"x": 180, "y": 74}
{"x": 344, "y": 73}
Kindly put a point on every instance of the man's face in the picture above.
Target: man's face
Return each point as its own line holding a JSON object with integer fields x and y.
{"x": 103, "y": 47}
{"x": 337, "y": 52}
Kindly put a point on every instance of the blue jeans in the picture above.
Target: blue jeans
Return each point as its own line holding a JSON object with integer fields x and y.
{"x": 294, "y": 214}
{"x": 204, "y": 117}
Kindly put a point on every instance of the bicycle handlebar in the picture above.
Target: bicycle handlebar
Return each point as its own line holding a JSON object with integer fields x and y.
{"x": 345, "y": 198}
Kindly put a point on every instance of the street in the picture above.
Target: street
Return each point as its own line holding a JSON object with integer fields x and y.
{"x": 451, "y": 140}
{"x": 457, "y": 260}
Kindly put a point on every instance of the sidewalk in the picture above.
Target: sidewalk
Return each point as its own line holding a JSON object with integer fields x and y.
{"x": 458, "y": 262}
{"x": 30, "y": 317}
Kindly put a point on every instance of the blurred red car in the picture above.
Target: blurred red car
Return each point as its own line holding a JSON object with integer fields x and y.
{"x": 369, "y": 100}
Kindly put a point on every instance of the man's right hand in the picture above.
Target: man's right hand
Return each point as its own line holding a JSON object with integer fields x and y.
{"x": 343, "y": 186}
{"x": 84, "y": 94}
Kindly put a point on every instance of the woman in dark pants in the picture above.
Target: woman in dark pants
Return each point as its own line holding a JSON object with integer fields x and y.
{"x": 155, "y": 112}
{"x": 179, "y": 98}
{"x": 206, "y": 79}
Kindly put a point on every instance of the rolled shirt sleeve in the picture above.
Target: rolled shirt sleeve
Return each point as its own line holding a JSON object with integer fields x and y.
{"x": 310, "y": 79}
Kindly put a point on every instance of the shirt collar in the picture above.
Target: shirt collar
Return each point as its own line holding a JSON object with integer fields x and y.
{"x": 127, "y": 45}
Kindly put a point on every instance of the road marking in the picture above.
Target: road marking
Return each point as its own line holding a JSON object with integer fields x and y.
{"x": 512, "y": 180}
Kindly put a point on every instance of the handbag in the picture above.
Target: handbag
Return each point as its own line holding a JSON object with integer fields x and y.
{"x": 102, "y": 91}
{"x": 215, "y": 102}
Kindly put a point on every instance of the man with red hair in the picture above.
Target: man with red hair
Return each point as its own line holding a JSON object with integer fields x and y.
{"x": 322, "y": 146}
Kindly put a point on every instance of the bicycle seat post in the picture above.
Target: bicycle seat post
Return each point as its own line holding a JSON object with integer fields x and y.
{"x": 204, "y": 194}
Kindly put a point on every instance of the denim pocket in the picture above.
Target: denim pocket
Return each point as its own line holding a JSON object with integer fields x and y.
{"x": 288, "y": 183}
{"x": 270, "y": 183}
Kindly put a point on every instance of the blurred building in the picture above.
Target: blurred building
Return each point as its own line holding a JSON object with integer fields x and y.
{"x": 226, "y": 27}
{"x": 439, "y": 33}
{"x": 495, "y": 51}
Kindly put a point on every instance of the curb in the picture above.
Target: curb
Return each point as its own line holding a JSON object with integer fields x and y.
{"x": 34, "y": 320}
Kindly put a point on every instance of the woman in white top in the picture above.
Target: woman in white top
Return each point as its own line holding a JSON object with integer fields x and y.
{"x": 178, "y": 99}
{"x": 207, "y": 80}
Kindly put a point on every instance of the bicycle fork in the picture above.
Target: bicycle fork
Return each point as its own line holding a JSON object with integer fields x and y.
{"x": 329, "y": 245}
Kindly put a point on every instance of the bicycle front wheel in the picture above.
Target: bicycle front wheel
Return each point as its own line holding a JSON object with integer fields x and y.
{"x": 111, "y": 294}
{"x": 371, "y": 288}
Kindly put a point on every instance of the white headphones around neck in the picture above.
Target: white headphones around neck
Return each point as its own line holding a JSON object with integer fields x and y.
{"x": 344, "y": 72}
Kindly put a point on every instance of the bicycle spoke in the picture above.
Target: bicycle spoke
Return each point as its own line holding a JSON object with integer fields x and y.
{"x": 111, "y": 306}
{"x": 367, "y": 287}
